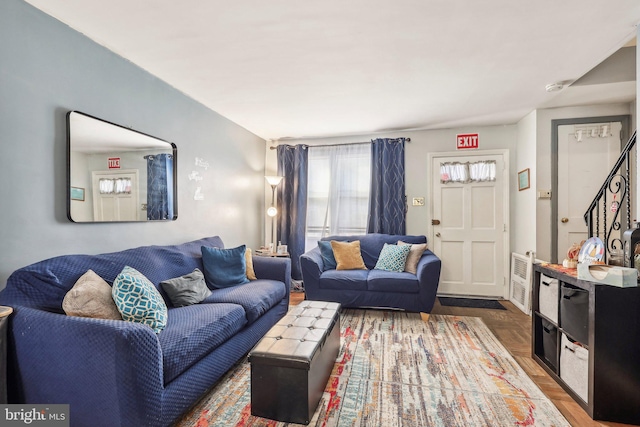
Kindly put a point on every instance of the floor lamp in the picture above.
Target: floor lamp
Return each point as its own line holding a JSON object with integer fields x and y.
{"x": 272, "y": 211}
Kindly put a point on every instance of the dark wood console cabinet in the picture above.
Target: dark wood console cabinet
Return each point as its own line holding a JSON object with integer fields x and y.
{"x": 601, "y": 370}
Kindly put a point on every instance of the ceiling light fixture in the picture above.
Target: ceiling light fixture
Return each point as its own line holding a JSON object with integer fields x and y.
{"x": 554, "y": 87}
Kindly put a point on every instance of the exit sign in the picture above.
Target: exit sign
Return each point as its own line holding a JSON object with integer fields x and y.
{"x": 466, "y": 141}
{"x": 114, "y": 162}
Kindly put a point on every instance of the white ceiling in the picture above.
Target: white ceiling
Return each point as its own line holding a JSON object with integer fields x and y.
{"x": 90, "y": 135}
{"x": 291, "y": 68}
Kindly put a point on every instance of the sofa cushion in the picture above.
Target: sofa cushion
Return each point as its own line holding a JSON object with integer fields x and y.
{"x": 326, "y": 252}
{"x": 393, "y": 258}
{"x": 355, "y": 280}
{"x": 387, "y": 281}
{"x": 138, "y": 300}
{"x": 256, "y": 297}
{"x": 417, "y": 249}
{"x": 348, "y": 255}
{"x": 91, "y": 297}
{"x": 186, "y": 290}
{"x": 193, "y": 332}
{"x": 224, "y": 267}
{"x": 371, "y": 244}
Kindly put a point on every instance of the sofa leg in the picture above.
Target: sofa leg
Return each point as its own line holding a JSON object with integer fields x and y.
{"x": 424, "y": 316}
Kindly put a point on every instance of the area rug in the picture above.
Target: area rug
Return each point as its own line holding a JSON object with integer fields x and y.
{"x": 396, "y": 370}
{"x": 471, "y": 303}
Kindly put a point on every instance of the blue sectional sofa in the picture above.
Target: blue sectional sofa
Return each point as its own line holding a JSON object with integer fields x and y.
{"x": 371, "y": 287}
{"x": 118, "y": 373}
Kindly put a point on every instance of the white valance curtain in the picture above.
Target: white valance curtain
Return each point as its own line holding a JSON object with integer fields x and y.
{"x": 452, "y": 172}
{"x": 115, "y": 186}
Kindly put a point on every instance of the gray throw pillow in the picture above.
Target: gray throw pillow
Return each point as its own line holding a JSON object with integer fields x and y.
{"x": 186, "y": 290}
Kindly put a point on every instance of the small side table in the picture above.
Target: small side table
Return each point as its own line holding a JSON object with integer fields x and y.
{"x": 272, "y": 254}
{"x": 4, "y": 322}
{"x": 296, "y": 285}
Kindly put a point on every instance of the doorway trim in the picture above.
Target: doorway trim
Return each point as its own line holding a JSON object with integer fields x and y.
{"x": 625, "y": 132}
{"x": 506, "y": 235}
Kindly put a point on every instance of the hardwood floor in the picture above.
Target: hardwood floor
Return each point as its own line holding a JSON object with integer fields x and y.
{"x": 513, "y": 328}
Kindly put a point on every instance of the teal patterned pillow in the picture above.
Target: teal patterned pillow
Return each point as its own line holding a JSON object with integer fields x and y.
{"x": 392, "y": 258}
{"x": 138, "y": 300}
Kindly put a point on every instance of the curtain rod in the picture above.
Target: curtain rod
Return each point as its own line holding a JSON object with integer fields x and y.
{"x": 337, "y": 145}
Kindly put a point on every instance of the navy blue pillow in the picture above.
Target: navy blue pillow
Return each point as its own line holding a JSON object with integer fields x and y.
{"x": 224, "y": 268}
{"x": 328, "y": 259}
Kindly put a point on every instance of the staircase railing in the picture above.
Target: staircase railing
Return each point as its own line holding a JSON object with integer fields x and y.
{"x": 613, "y": 197}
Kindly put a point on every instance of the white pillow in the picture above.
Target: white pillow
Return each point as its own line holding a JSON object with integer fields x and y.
{"x": 91, "y": 297}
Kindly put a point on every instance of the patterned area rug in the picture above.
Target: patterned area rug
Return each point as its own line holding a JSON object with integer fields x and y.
{"x": 396, "y": 370}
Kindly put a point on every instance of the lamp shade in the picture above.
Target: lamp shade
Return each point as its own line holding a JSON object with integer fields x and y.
{"x": 273, "y": 180}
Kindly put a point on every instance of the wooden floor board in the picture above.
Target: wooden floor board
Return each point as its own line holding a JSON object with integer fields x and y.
{"x": 513, "y": 329}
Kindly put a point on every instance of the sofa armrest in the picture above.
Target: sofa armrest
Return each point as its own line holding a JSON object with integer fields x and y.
{"x": 315, "y": 256}
{"x": 312, "y": 266}
{"x": 428, "y": 270}
{"x": 101, "y": 368}
{"x": 273, "y": 268}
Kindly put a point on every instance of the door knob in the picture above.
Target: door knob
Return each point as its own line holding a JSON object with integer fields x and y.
{"x": 564, "y": 220}
{"x": 435, "y": 222}
{"x": 437, "y": 234}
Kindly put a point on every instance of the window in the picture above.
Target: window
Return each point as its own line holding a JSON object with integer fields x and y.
{"x": 467, "y": 172}
{"x": 339, "y": 179}
{"x": 115, "y": 185}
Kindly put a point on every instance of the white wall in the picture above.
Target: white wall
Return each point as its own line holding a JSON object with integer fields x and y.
{"x": 543, "y": 162}
{"x": 523, "y": 203}
{"x": 529, "y": 145}
{"x": 422, "y": 143}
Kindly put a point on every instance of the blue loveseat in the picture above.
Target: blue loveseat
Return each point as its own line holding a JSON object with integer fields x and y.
{"x": 117, "y": 373}
{"x": 371, "y": 287}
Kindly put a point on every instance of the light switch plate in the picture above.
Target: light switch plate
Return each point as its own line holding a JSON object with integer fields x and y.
{"x": 418, "y": 201}
{"x": 544, "y": 194}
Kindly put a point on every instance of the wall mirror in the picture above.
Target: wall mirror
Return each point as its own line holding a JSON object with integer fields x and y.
{"x": 116, "y": 174}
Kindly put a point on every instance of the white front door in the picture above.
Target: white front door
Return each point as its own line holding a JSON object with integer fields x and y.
{"x": 115, "y": 205}
{"x": 470, "y": 229}
{"x": 585, "y": 158}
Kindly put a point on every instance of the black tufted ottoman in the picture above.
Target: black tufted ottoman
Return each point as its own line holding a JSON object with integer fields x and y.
{"x": 291, "y": 364}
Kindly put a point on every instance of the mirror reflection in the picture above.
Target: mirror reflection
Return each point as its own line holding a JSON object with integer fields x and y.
{"x": 118, "y": 174}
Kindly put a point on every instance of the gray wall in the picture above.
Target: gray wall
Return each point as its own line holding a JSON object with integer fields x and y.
{"x": 48, "y": 69}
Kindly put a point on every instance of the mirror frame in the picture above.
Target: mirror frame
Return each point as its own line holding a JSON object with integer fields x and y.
{"x": 170, "y": 146}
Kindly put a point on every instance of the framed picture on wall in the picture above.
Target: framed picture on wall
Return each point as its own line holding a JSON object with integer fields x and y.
{"x": 77, "y": 193}
{"x": 523, "y": 179}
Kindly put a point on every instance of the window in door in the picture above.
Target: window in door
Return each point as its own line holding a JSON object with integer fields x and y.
{"x": 451, "y": 172}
